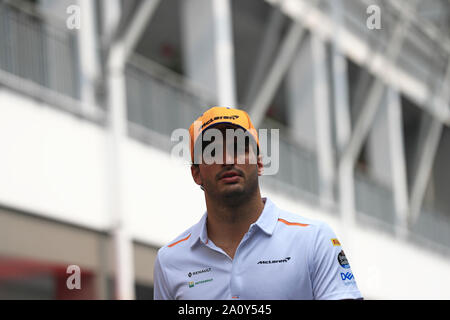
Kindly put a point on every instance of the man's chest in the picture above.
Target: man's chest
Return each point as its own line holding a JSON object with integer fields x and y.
{"x": 255, "y": 272}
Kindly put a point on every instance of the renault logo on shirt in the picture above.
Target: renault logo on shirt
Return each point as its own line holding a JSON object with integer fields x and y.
{"x": 274, "y": 261}
{"x": 190, "y": 274}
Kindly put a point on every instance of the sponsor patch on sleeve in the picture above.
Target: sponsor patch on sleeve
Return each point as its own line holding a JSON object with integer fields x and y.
{"x": 335, "y": 242}
{"x": 342, "y": 259}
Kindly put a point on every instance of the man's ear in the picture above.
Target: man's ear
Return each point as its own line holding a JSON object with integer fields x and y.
{"x": 195, "y": 171}
{"x": 260, "y": 165}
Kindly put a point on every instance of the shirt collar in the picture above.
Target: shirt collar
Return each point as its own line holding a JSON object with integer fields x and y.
{"x": 266, "y": 222}
{"x": 199, "y": 232}
{"x": 268, "y": 218}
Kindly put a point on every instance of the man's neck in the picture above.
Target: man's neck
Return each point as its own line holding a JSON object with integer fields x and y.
{"x": 227, "y": 225}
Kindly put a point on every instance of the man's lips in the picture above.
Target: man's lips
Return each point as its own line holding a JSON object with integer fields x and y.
{"x": 230, "y": 176}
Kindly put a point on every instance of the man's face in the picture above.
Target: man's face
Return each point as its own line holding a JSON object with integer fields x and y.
{"x": 229, "y": 169}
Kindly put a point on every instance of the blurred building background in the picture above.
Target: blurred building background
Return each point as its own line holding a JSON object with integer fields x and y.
{"x": 91, "y": 90}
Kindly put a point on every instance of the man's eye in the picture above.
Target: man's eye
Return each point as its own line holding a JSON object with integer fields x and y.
{"x": 238, "y": 149}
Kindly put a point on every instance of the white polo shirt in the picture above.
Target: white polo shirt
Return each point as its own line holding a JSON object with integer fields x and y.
{"x": 282, "y": 256}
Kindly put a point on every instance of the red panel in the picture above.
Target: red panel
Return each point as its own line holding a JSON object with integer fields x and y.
{"x": 18, "y": 268}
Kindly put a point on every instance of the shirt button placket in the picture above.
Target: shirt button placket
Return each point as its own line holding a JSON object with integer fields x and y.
{"x": 236, "y": 281}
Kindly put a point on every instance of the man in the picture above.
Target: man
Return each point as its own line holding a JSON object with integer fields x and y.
{"x": 244, "y": 246}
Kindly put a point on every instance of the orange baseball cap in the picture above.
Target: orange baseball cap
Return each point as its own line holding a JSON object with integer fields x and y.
{"x": 218, "y": 115}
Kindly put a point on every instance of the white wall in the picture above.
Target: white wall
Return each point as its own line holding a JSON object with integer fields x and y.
{"x": 55, "y": 164}
{"x": 159, "y": 194}
{"x": 51, "y": 162}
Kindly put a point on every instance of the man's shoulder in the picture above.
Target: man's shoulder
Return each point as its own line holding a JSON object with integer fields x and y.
{"x": 178, "y": 245}
{"x": 179, "y": 242}
{"x": 316, "y": 232}
{"x": 297, "y": 220}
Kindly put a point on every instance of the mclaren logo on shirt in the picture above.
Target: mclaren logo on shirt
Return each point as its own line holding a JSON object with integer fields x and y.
{"x": 274, "y": 261}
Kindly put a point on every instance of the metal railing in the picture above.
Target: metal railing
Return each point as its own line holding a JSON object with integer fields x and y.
{"x": 374, "y": 199}
{"x": 433, "y": 226}
{"x": 297, "y": 164}
{"x": 34, "y": 50}
{"x": 159, "y": 99}
{"x": 39, "y": 58}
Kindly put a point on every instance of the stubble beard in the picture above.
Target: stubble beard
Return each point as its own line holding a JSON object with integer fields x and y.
{"x": 236, "y": 195}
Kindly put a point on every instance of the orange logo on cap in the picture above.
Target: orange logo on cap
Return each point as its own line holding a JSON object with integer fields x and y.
{"x": 233, "y": 117}
{"x": 217, "y": 115}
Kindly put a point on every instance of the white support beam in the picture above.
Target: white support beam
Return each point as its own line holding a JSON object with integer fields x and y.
{"x": 341, "y": 98}
{"x": 138, "y": 23}
{"x": 340, "y": 83}
{"x": 280, "y": 66}
{"x": 426, "y": 154}
{"x": 208, "y": 49}
{"x": 427, "y": 150}
{"x": 111, "y": 13}
{"x": 88, "y": 54}
{"x": 265, "y": 53}
{"x": 397, "y": 158}
{"x": 346, "y": 181}
{"x": 89, "y": 65}
{"x": 345, "y": 178}
{"x": 363, "y": 81}
{"x": 119, "y": 52}
{"x": 122, "y": 47}
{"x": 324, "y": 143}
{"x": 224, "y": 53}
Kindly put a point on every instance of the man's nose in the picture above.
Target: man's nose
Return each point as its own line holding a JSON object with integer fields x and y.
{"x": 229, "y": 156}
